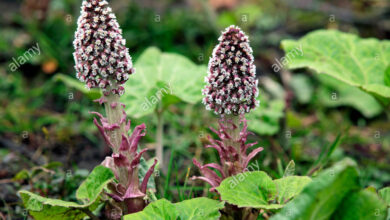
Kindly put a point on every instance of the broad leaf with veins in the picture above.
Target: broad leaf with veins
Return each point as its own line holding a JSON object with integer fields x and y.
{"x": 358, "y": 62}
{"x": 88, "y": 193}
{"x": 193, "y": 209}
{"x": 162, "y": 77}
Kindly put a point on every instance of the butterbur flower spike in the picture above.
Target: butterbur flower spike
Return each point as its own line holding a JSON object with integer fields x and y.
{"x": 103, "y": 61}
{"x": 101, "y": 57}
{"x": 230, "y": 91}
{"x": 231, "y": 84}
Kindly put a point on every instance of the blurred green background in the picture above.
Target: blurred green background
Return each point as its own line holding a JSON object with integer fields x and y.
{"x": 48, "y": 141}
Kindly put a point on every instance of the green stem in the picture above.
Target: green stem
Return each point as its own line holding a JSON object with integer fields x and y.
{"x": 159, "y": 138}
{"x": 114, "y": 116}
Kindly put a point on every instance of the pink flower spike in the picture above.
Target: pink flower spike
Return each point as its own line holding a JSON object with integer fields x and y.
{"x": 101, "y": 57}
{"x": 231, "y": 84}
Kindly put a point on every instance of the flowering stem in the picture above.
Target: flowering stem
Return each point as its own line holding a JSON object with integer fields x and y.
{"x": 114, "y": 114}
{"x": 229, "y": 121}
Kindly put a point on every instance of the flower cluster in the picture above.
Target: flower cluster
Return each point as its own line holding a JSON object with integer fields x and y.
{"x": 231, "y": 85}
{"x": 128, "y": 193}
{"x": 232, "y": 152}
{"x": 101, "y": 57}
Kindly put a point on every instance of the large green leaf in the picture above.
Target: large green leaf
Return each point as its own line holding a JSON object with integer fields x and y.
{"x": 199, "y": 209}
{"x": 320, "y": 198}
{"x": 336, "y": 93}
{"x": 91, "y": 188}
{"x": 289, "y": 187}
{"x": 158, "y": 210}
{"x": 89, "y": 191}
{"x": 193, "y": 209}
{"x": 385, "y": 195}
{"x": 346, "y": 57}
{"x": 44, "y": 208}
{"x": 249, "y": 189}
{"x": 361, "y": 205}
{"x": 162, "y": 76}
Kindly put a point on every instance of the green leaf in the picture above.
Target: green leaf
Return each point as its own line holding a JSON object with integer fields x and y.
{"x": 387, "y": 76}
{"x": 89, "y": 191}
{"x": 385, "y": 194}
{"x": 361, "y": 205}
{"x": 91, "y": 188}
{"x": 47, "y": 209}
{"x": 193, "y": 209}
{"x": 159, "y": 75}
{"x": 249, "y": 189}
{"x": 76, "y": 84}
{"x": 336, "y": 93}
{"x": 265, "y": 118}
{"x": 320, "y": 198}
{"x": 328, "y": 151}
{"x": 357, "y": 62}
{"x": 159, "y": 210}
{"x": 199, "y": 209}
{"x": 289, "y": 187}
